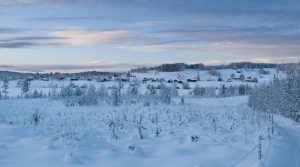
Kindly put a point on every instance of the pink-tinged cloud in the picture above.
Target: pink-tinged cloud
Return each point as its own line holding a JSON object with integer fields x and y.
{"x": 92, "y": 37}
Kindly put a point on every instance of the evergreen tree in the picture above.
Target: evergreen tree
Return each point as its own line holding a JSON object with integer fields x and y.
{"x": 25, "y": 87}
{"x": 35, "y": 94}
{"x": 5, "y": 87}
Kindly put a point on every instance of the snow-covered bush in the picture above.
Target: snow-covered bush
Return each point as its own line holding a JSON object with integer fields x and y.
{"x": 74, "y": 95}
{"x": 102, "y": 94}
{"x": 208, "y": 119}
{"x": 186, "y": 85}
{"x": 214, "y": 73}
{"x": 133, "y": 89}
{"x": 36, "y": 117}
{"x": 198, "y": 91}
{"x": 90, "y": 96}
{"x": 165, "y": 94}
{"x": 151, "y": 90}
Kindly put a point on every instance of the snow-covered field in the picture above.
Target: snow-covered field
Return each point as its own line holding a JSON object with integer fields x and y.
{"x": 46, "y": 86}
{"x": 67, "y": 136}
{"x": 201, "y": 132}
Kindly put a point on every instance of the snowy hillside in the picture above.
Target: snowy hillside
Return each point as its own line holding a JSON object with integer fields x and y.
{"x": 81, "y": 136}
{"x": 205, "y": 80}
{"x": 145, "y": 121}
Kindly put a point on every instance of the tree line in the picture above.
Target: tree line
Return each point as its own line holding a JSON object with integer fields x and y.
{"x": 199, "y": 66}
{"x": 281, "y": 96}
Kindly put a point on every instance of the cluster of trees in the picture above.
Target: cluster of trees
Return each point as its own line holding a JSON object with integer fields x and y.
{"x": 53, "y": 75}
{"x": 249, "y": 65}
{"x": 74, "y": 95}
{"x": 199, "y": 66}
{"x": 170, "y": 67}
{"x": 222, "y": 91}
{"x": 279, "y": 96}
{"x": 24, "y": 86}
{"x": 12, "y": 75}
{"x": 204, "y": 91}
{"x": 116, "y": 95}
{"x": 140, "y": 69}
{"x": 35, "y": 94}
{"x": 214, "y": 73}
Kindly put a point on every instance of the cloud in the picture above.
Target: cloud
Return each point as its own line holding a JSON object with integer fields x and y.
{"x": 262, "y": 60}
{"x": 81, "y": 18}
{"x": 30, "y": 38}
{"x": 17, "y": 44}
{"x": 93, "y": 37}
{"x": 148, "y": 48}
{"x": 69, "y": 18}
{"x": 95, "y": 65}
{"x": 67, "y": 36}
{"x": 225, "y": 50}
{"x": 15, "y": 2}
{"x": 151, "y": 23}
{"x": 287, "y": 34}
{"x": 239, "y": 29}
{"x": 230, "y": 41}
{"x": 275, "y": 9}
{"x": 29, "y": 41}
{"x": 6, "y": 30}
{"x": 255, "y": 60}
{"x": 5, "y": 66}
{"x": 74, "y": 36}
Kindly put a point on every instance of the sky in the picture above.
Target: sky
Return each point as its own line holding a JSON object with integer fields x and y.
{"x": 115, "y": 35}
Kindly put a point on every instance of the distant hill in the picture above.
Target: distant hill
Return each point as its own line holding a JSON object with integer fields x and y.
{"x": 182, "y": 66}
{"x": 18, "y": 75}
{"x": 11, "y": 74}
{"x": 162, "y": 68}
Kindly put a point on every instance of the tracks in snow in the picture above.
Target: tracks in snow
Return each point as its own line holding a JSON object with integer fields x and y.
{"x": 285, "y": 149}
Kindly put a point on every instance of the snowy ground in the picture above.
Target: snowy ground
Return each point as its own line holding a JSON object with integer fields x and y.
{"x": 202, "y": 132}
{"x": 285, "y": 147}
{"x": 46, "y": 86}
{"x": 79, "y": 136}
